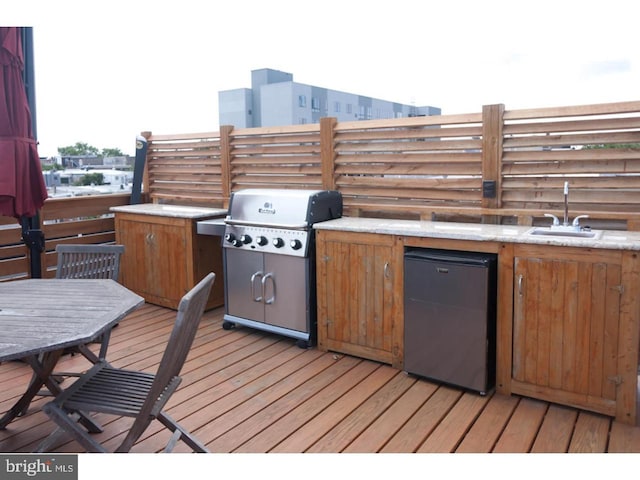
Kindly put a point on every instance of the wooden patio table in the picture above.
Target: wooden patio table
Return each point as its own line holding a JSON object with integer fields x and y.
{"x": 39, "y": 318}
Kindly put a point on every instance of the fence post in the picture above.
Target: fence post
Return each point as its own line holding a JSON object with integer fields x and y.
{"x": 328, "y": 152}
{"x": 225, "y": 162}
{"x": 492, "y": 124}
{"x": 146, "y": 186}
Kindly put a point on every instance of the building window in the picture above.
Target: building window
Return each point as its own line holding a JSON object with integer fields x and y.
{"x": 315, "y": 104}
{"x": 303, "y": 121}
{"x": 349, "y": 108}
{"x": 368, "y": 113}
{"x": 336, "y": 107}
{"x": 302, "y": 101}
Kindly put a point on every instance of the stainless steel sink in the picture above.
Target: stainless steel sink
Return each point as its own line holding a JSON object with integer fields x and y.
{"x": 555, "y": 232}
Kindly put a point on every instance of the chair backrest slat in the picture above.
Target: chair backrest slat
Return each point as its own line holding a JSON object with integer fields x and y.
{"x": 89, "y": 261}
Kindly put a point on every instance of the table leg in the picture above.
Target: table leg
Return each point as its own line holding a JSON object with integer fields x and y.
{"x": 42, "y": 368}
{"x": 53, "y": 386}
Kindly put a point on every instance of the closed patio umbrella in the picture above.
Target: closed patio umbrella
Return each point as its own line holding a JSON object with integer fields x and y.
{"x": 22, "y": 187}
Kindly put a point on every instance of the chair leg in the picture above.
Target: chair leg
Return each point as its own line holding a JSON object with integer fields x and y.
{"x": 180, "y": 433}
{"x": 50, "y": 441}
{"x": 136, "y": 430}
{"x": 68, "y": 423}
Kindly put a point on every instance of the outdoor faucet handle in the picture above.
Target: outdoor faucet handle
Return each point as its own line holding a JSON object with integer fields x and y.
{"x": 576, "y": 221}
{"x": 556, "y": 222}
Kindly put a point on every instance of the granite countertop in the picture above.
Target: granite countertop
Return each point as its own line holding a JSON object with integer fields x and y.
{"x": 176, "y": 211}
{"x": 611, "y": 239}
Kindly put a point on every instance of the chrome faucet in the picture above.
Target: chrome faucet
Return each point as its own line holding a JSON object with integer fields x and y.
{"x": 575, "y": 225}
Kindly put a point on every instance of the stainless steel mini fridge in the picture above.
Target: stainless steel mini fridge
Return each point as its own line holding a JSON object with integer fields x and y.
{"x": 450, "y": 317}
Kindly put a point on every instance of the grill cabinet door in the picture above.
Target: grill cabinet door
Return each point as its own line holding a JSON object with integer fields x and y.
{"x": 244, "y": 273}
{"x": 287, "y": 292}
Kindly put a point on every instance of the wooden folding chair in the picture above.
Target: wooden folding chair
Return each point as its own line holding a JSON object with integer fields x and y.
{"x": 109, "y": 390}
{"x": 89, "y": 261}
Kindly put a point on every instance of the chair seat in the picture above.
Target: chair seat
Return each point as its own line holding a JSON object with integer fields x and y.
{"x": 110, "y": 390}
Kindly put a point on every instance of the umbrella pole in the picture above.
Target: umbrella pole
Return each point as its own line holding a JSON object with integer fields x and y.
{"x": 33, "y": 238}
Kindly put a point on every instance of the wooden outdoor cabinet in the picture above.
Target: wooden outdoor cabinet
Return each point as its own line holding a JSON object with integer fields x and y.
{"x": 359, "y": 285}
{"x": 575, "y": 327}
{"x": 165, "y": 257}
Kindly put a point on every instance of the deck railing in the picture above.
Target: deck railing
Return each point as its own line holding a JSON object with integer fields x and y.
{"x": 63, "y": 220}
{"x": 495, "y": 166}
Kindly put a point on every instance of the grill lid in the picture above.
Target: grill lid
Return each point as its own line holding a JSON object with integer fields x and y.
{"x": 289, "y": 208}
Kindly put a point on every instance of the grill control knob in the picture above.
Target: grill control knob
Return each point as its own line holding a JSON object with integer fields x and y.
{"x": 245, "y": 239}
{"x": 278, "y": 242}
{"x": 229, "y": 237}
{"x": 262, "y": 241}
{"x": 295, "y": 244}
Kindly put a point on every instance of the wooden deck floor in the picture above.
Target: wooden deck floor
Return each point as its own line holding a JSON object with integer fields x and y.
{"x": 250, "y": 391}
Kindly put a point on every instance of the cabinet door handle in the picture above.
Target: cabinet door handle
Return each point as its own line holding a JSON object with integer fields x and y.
{"x": 386, "y": 270}
{"x": 254, "y": 277}
{"x": 520, "y": 280}
{"x": 272, "y": 298}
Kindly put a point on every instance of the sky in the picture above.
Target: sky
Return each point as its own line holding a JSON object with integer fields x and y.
{"x": 107, "y": 71}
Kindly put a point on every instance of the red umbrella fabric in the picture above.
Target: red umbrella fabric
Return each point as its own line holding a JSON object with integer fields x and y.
{"x": 22, "y": 187}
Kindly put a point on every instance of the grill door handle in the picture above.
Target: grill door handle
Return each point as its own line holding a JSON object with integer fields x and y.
{"x": 270, "y": 300}
{"x": 257, "y": 276}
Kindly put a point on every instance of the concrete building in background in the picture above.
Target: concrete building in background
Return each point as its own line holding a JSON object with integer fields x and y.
{"x": 274, "y": 99}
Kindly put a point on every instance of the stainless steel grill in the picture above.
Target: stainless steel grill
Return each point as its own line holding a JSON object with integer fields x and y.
{"x": 269, "y": 258}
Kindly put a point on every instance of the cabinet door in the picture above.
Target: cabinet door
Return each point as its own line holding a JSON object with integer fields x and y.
{"x": 168, "y": 261}
{"x": 286, "y": 292}
{"x": 154, "y": 264}
{"x": 355, "y": 299}
{"x": 566, "y": 328}
{"x": 244, "y": 292}
{"x": 136, "y": 264}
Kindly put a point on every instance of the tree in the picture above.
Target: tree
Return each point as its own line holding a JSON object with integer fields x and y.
{"x": 80, "y": 148}
{"x": 91, "y": 179}
{"x": 112, "y": 152}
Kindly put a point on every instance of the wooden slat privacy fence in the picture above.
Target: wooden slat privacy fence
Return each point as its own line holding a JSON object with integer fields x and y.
{"x": 495, "y": 166}
{"x": 185, "y": 169}
{"x": 410, "y": 166}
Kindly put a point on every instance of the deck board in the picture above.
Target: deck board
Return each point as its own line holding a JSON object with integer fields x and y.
{"x": 590, "y": 434}
{"x": 310, "y": 433}
{"x": 556, "y": 430}
{"x": 249, "y": 391}
{"x": 486, "y": 430}
{"x": 274, "y": 437}
{"x": 520, "y": 433}
{"x": 448, "y": 434}
{"x": 374, "y": 438}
